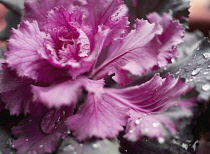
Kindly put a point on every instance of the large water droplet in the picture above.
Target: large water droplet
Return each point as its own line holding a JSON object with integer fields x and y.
{"x": 206, "y": 87}
{"x": 206, "y": 55}
{"x": 69, "y": 148}
{"x": 96, "y": 145}
{"x": 51, "y": 121}
{"x": 196, "y": 71}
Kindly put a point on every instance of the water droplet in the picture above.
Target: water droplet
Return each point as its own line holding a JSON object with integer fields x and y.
{"x": 206, "y": 55}
{"x": 40, "y": 146}
{"x": 68, "y": 132}
{"x": 26, "y": 140}
{"x": 208, "y": 66}
{"x": 161, "y": 140}
{"x": 69, "y": 148}
{"x": 146, "y": 130}
{"x": 178, "y": 72}
{"x": 96, "y": 145}
{"x": 131, "y": 131}
{"x": 196, "y": 71}
{"x": 34, "y": 152}
{"x": 9, "y": 142}
{"x": 138, "y": 121}
{"x": 206, "y": 87}
{"x": 205, "y": 73}
{"x": 156, "y": 124}
{"x": 51, "y": 121}
{"x": 185, "y": 146}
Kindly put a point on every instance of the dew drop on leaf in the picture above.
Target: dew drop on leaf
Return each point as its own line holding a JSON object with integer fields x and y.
{"x": 206, "y": 87}
{"x": 155, "y": 124}
{"x": 96, "y": 145}
{"x": 131, "y": 131}
{"x": 161, "y": 140}
{"x": 208, "y": 78}
{"x": 196, "y": 71}
{"x": 40, "y": 146}
{"x": 146, "y": 130}
{"x": 51, "y": 121}
{"x": 138, "y": 121}
{"x": 69, "y": 148}
{"x": 206, "y": 55}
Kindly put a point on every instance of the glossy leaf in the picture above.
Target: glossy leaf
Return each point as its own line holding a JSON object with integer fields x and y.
{"x": 71, "y": 146}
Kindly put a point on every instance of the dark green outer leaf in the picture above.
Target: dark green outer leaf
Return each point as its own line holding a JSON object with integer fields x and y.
{"x": 178, "y": 8}
{"x": 196, "y": 69}
{"x": 71, "y": 146}
{"x": 6, "y": 122}
{"x": 14, "y": 5}
{"x": 12, "y": 20}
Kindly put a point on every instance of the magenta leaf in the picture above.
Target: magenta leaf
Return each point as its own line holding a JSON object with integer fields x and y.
{"x": 147, "y": 104}
{"x": 26, "y": 60}
{"x": 101, "y": 116}
{"x": 57, "y": 95}
{"x": 169, "y": 39}
{"x": 41, "y": 132}
{"x": 15, "y": 93}
{"x": 126, "y": 54}
{"x": 34, "y": 9}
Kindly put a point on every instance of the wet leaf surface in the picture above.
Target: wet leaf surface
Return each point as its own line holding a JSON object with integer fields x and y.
{"x": 71, "y": 146}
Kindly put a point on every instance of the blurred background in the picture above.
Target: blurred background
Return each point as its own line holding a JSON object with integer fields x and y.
{"x": 199, "y": 16}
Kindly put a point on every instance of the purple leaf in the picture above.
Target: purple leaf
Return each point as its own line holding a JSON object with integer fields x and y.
{"x": 41, "y": 132}
{"x": 57, "y": 95}
{"x": 101, "y": 116}
{"x": 15, "y": 93}
{"x": 27, "y": 59}
{"x": 126, "y": 54}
